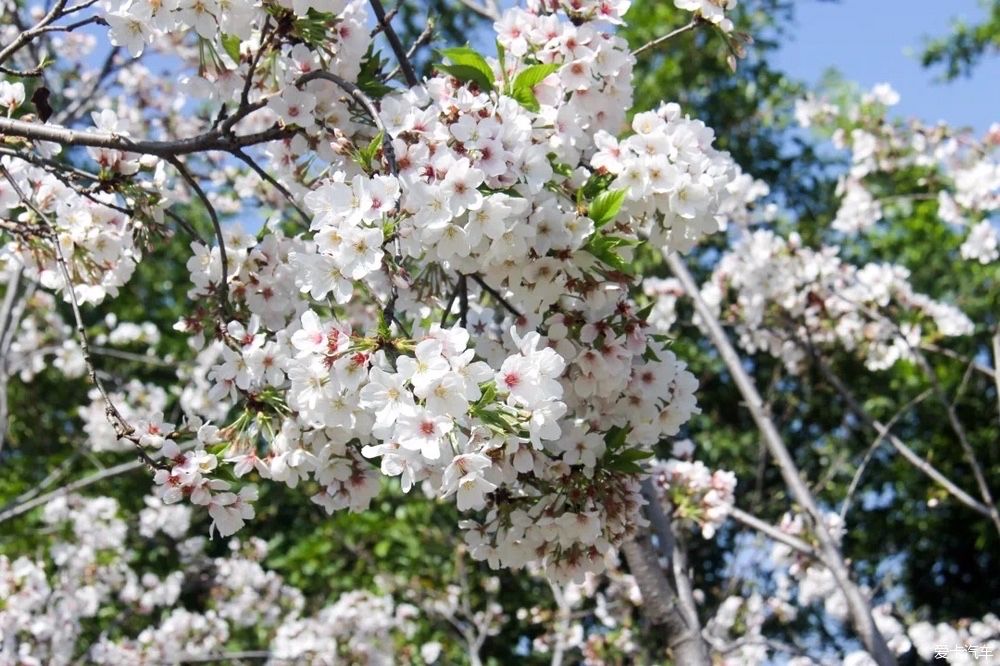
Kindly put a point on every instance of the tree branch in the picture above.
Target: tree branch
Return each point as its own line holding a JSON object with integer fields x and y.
{"x": 858, "y": 606}
{"x": 212, "y": 140}
{"x": 773, "y": 532}
{"x": 898, "y": 444}
{"x": 123, "y": 429}
{"x": 882, "y": 433}
{"x": 963, "y": 439}
{"x": 224, "y": 286}
{"x": 394, "y": 43}
{"x": 667, "y": 37}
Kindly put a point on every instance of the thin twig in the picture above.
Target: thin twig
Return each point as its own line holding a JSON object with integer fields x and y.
{"x": 495, "y": 294}
{"x": 394, "y": 43}
{"x": 944, "y": 351}
{"x": 790, "y": 540}
{"x": 855, "y": 406}
{"x": 123, "y": 429}
{"x": 216, "y": 225}
{"x": 16, "y": 509}
{"x": 422, "y": 38}
{"x": 963, "y": 439}
{"x": 870, "y": 453}
{"x": 667, "y": 37}
{"x": 264, "y": 175}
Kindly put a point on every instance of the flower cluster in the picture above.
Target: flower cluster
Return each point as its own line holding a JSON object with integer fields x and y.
{"x": 87, "y": 571}
{"x": 493, "y": 193}
{"x": 693, "y": 494}
{"x": 782, "y": 296}
{"x": 962, "y": 172}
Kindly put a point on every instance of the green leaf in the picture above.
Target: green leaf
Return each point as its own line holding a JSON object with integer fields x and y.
{"x": 231, "y": 44}
{"x": 605, "y": 206}
{"x": 467, "y": 65}
{"x": 532, "y": 76}
{"x": 615, "y": 438}
{"x": 603, "y": 247}
{"x": 370, "y": 77}
{"x": 526, "y": 98}
{"x": 635, "y": 454}
{"x": 626, "y": 466}
{"x": 559, "y": 167}
{"x": 366, "y": 155}
{"x": 643, "y": 314}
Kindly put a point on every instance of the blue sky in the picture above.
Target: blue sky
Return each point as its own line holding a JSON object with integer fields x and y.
{"x": 874, "y": 41}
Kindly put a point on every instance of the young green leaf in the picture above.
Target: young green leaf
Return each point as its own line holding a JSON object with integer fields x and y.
{"x": 231, "y": 44}
{"x": 467, "y": 65}
{"x": 605, "y": 206}
{"x": 532, "y": 76}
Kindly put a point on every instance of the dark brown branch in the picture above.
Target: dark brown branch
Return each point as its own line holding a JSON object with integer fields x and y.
{"x": 264, "y": 175}
{"x": 495, "y": 294}
{"x": 193, "y": 183}
{"x": 213, "y": 140}
{"x": 394, "y": 43}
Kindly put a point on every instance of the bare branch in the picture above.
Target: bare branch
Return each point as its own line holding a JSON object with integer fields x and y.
{"x": 495, "y": 294}
{"x": 858, "y": 605}
{"x": 423, "y": 38}
{"x": 268, "y": 178}
{"x": 213, "y": 140}
{"x": 16, "y": 509}
{"x": 394, "y": 43}
{"x": 773, "y": 532}
{"x": 667, "y": 37}
{"x": 963, "y": 438}
{"x": 855, "y": 406}
{"x": 26, "y": 36}
{"x": 882, "y": 433}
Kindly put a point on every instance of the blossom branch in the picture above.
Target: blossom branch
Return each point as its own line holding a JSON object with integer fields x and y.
{"x": 26, "y": 36}
{"x": 860, "y": 610}
{"x": 790, "y": 540}
{"x": 123, "y": 429}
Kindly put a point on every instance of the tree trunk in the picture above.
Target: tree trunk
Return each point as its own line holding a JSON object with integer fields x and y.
{"x": 659, "y": 604}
